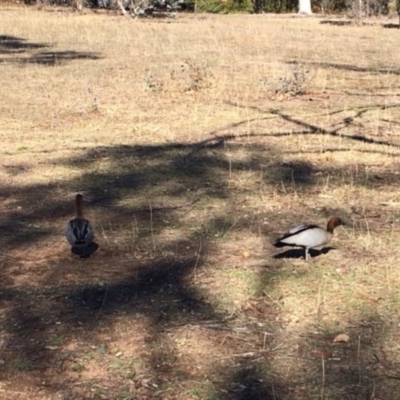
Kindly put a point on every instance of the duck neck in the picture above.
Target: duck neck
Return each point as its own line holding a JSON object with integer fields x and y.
{"x": 331, "y": 226}
{"x": 79, "y": 207}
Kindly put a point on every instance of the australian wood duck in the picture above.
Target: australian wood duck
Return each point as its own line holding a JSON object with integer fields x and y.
{"x": 309, "y": 236}
{"x": 79, "y": 231}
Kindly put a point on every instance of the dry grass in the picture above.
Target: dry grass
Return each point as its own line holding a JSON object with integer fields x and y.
{"x": 196, "y": 142}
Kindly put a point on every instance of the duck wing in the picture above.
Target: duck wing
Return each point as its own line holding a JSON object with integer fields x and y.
{"x": 305, "y": 236}
{"x": 281, "y": 242}
{"x": 299, "y": 229}
{"x": 79, "y": 232}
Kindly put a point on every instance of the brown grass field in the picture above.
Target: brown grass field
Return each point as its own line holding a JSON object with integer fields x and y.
{"x": 197, "y": 141}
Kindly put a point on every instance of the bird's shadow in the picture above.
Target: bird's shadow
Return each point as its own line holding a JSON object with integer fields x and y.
{"x": 299, "y": 253}
{"x": 85, "y": 252}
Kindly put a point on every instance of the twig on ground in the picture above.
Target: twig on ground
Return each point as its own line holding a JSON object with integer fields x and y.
{"x": 103, "y": 302}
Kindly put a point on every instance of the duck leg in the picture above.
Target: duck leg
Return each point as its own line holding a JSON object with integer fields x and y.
{"x": 307, "y": 254}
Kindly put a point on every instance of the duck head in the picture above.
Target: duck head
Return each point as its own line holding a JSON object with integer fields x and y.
{"x": 333, "y": 223}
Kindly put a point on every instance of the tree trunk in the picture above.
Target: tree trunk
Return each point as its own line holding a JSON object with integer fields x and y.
{"x": 122, "y": 8}
{"x": 257, "y": 7}
{"x": 305, "y": 7}
{"x": 398, "y": 9}
{"x": 77, "y": 4}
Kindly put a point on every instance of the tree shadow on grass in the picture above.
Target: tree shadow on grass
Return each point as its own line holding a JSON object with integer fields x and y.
{"x": 147, "y": 176}
{"x": 176, "y": 172}
{"x": 249, "y": 381}
{"x": 54, "y": 58}
{"x": 12, "y": 46}
{"x": 358, "y": 368}
{"x": 351, "y": 358}
{"x": 42, "y": 322}
{"x": 152, "y": 279}
{"x": 45, "y": 318}
{"x": 297, "y": 174}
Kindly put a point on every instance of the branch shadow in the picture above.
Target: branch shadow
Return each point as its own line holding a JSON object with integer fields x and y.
{"x": 336, "y": 22}
{"x": 315, "y": 129}
{"x": 391, "y": 26}
{"x": 354, "y": 68}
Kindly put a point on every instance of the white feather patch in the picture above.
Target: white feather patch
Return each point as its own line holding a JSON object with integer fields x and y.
{"x": 298, "y": 228}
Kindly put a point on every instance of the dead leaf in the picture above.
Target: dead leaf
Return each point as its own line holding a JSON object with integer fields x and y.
{"x": 320, "y": 353}
{"x": 341, "y": 338}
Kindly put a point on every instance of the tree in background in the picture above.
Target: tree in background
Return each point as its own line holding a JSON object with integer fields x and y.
{"x": 359, "y": 9}
{"x": 305, "y": 7}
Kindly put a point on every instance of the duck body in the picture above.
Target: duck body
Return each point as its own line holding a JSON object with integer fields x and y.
{"x": 79, "y": 232}
{"x": 308, "y": 236}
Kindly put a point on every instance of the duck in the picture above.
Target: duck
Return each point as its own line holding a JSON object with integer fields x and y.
{"x": 309, "y": 236}
{"x": 79, "y": 231}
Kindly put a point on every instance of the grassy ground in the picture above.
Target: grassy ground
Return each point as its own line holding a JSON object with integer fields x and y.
{"x": 196, "y": 142}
